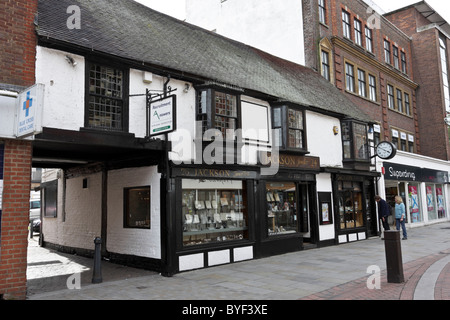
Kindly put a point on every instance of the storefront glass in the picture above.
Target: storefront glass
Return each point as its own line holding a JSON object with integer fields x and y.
{"x": 281, "y": 208}
{"x": 435, "y": 201}
{"x": 414, "y": 202}
{"x": 213, "y": 211}
{"x": 351, "y": 213}
{"x": 442, "y": 212}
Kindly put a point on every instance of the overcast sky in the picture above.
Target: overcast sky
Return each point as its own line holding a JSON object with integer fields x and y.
{"x": 176, "y": 8}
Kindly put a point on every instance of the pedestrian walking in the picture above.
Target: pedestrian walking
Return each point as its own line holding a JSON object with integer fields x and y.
{"x": 400, "y": 216}
{"x": 384, "y": 211}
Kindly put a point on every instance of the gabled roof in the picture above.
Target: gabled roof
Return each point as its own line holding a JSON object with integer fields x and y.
{"x": 129, "y": 30}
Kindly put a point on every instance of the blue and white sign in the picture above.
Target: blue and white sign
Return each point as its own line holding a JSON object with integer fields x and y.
{"x": 29, "y": 111}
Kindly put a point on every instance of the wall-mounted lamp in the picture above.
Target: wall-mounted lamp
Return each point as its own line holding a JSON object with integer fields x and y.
{"x": 71, "y": 61}
{"x": 336, "y": 130}
{"x": 187, "y": 86}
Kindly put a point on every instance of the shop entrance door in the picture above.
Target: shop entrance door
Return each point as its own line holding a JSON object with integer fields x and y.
{"x": 308, "y": 224}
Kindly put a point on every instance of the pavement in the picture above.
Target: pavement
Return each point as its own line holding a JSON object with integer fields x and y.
{"x": 353, "y": 271}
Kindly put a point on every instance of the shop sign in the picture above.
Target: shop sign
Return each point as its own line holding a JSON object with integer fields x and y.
{"x": 400, "y": 172}
{"x": 291, "y": 161}
{"x": 29, "y": 111}
{"x": 434, "y": 176}
{"x": 407, "y": 173}
{"x": 213, "y": 173}
{"x": 162, "y": 117}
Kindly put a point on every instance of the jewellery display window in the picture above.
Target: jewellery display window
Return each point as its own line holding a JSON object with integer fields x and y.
{"x": 281, "y": 208}
{"x": 213, "y": 211}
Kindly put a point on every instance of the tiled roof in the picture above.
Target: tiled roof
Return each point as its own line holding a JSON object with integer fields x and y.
{"x": 127, "y": 29}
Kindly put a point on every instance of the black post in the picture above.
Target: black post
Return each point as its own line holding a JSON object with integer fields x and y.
{"x": 97, "y": 275}
{"x": 31, "y": 228}
{"x": 394, "y": 261}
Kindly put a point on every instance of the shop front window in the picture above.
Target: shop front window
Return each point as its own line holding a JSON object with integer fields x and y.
{"x": 351, "y": 213}
{"x": 414, "y": 202}
{"x": 440, "y": 201}
{"x": 281, "y": 208}
{"x": 213, "y": 211}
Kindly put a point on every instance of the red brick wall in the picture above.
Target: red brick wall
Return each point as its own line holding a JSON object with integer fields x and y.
{"x": 17, "y": 67}
{"x": 15, "y": 217}
{"x": 17, "y": 42}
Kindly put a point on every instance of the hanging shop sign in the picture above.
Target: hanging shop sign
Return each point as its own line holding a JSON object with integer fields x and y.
{"x": 29, "y": 111}
{"x": 162, "y": 116}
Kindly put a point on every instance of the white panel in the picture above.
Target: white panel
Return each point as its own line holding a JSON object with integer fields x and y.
{"x": 352, "y": 237}
{"x": 362, "y": 236}
{"x": 241, "y": 254}
{"x": 193, "y": 261}
{"x": 255, "y": 121}
{"x": 342, "y": 238}
{"x": 218, "y": 257}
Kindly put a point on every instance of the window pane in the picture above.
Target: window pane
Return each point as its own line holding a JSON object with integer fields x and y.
{"x": 137, "y": 207}
{"x": 105, "y": 113}
{"x": 358, "y": 32}
{"x": 369, "y": 44}
{"x": 346, "y": 24}
{"x": 350, "y": 78}
{"x": 281, "y": 208}
{"x": 373, "y": 88}
{"x": 213, "y": 211}
{"x": 226, "y": 105}
{"x": 360, "y": 141}
{"x": 105, "y": 101}
{"x": 362, "y": 83}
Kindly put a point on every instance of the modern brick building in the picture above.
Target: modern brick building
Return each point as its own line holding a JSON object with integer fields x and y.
{"x": 17, "y": 71}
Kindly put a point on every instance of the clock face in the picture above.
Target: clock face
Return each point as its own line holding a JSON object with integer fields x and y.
{"x": 386, "y": 150}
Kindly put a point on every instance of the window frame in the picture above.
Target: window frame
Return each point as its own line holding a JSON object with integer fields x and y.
{"x": 399, "y": 100}
{"x": 357, "y": 81}
{"x": 346, "y": 25}
{"x": 373, "y": 88}
{"x": 325, "y": 65}
{"x": 322, "y": 11}
{"x": 124, "y": 98}
{"x": 126, "y": 207}
{"x": 390, "y": 96}
{"x": 350, "y": 78}
{"x": 284, "y": 127}
{"x": 387, "y": 51}
{"x": 403, "y": 61}
{"x": 407, "y": 103}
{"x": 369, "y": 39}
{"x": 357, "y": 24}
{"x": 362, "y": 83}
{"x": 207, "y": 114}
{"x": 349, "y": 138}
{"x": 396, "y": 57}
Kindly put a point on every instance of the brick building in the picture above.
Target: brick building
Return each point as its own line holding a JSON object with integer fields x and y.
{"x": 430, "y": 43}
{"x": 17, "y": 71}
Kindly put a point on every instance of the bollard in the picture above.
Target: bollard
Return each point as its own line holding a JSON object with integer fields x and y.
{"x": 97, "y": 275}
{"x": 31, "y": 228}
{"x": 394, "y": 261}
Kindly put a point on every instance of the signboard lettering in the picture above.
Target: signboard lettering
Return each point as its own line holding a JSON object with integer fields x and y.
{"x": 29, "y": 111}
{"x": 162, "y": 116}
